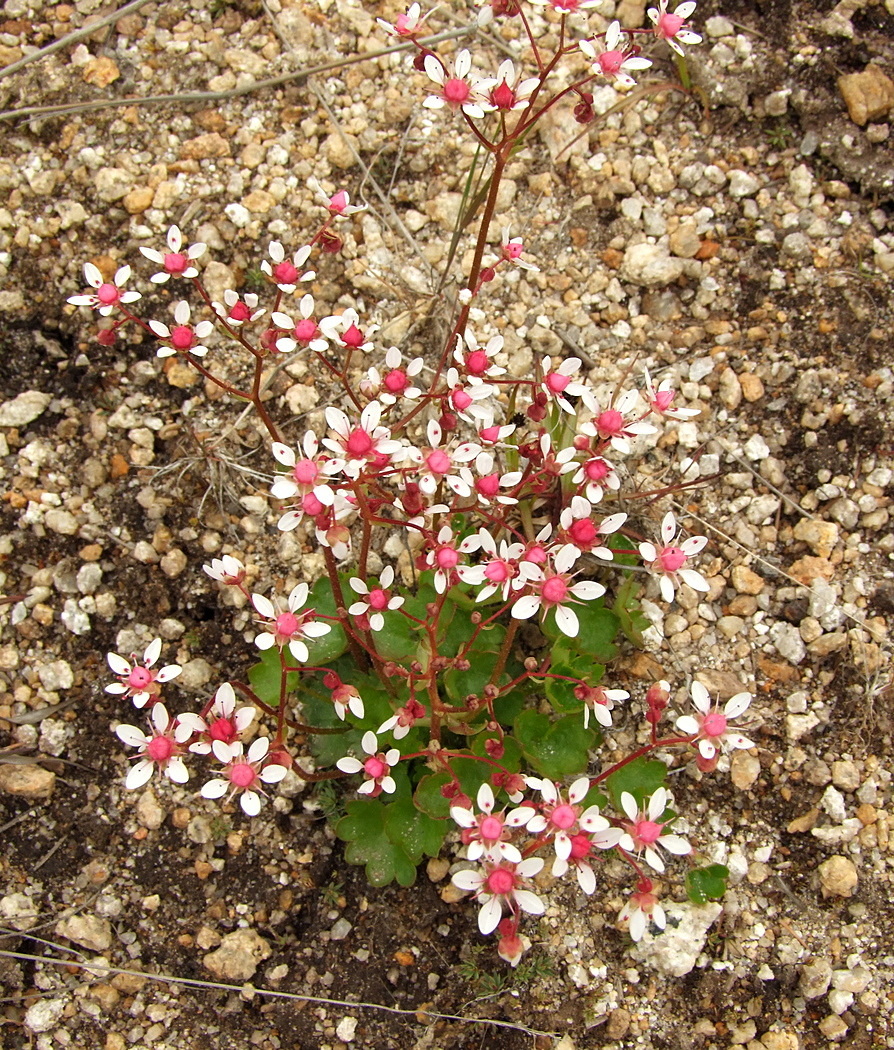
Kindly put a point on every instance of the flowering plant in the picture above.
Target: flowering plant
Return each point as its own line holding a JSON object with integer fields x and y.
{"x": 465, "y": 674}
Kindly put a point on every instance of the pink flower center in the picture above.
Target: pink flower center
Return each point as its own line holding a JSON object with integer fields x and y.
{"x": 353, "y": 337}
{"x": 503, "y": 97}
{"x": 447, "y": 558}
{"x": 461, "y": 400}
{"x": 285, "y": 273}
{"x": 669, "y": 25}
{"x": 714, "y": 724}
{"x": 580, "y": 846}
{"x": 497, "y": 571}
{"x": 596, "y": 469}
{"x": 610, "y": 61}
{"x": 338, "y": 202}
{"x": 140, "y": 677}
{"x": 108, "y": 294}
{"x": 240, "y": 312}
{"x": 396, "y": 382}
{"x": 241, "y": 775}
{"x": 378, "y": 599}
{"x": 359, "y": 442}
{"x": 491, "y": 828}
{"x": 305, "y": 472}
{"x": 563, "y": 816}
{"x": 584, "y": 532}
{"x": 182, "y": 337}
{"x": 662, "y": 400}
{"x": 647, "y": 832}
{"x": 671, "y": 559}
{"x": 404, "y": 26}
{"x": 513, "y": 249}
{"x": 306, "y": 330}
{"x": 456, "y": 91}
{"x": 160, "y": 749}
{"x": 536, "y": 555}
{"x": 489, "y": 434}
{"x": 375, "y": 767}
{"x": 489, "y": 486}
{"x": 476, "y": 363}
{"x": 311, "y": 505}
{"x": 223, "y": 729}
{"x": 610, "y": 422}
{"x": 500, "y": 882}
{"x": 438, "y": 462}
{"x": 556, "y": 382}
{"x": 286, "y": 624}
{"x": 554, "y": 591}
{"x": 176, "y": 262}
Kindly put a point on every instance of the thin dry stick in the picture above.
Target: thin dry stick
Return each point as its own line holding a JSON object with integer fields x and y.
{"x": 217, "y": 96}
{"x": 423, "y": 1015}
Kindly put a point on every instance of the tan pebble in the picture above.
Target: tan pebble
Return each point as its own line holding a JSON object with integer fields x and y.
{"x": 803, "y": 823}
{"x": 105, "y": 994}
{"x": 115, "y": 1041}
{"x": 820, "y": 536}
{"x": 867, "y": 95}
{"x": 744, "y": 769}
{"x": 128, "y": 983}
{"x": 867, "y": 814}
{"x": 838, "y": 877}
{"x": 100, "y": 71}
{"x": 807, "y": 569}
{"x": 92, "y": 552}
{"x": 181, "y": 817}
{"x": 259, "y": 201}
{"x": 118, "y": 466}
{"x": 883, "y": 826}
{"x": 203, "y": 869}
{"x": 746, "y": 581}
{"x": 180, "y": 375}
{"x": 451, "y": 894}
{"x": 404, "y": 958}
{"x": 26, "y": 781}
{"x": 758, "y": 872}
{"x": 138, "y": 200}
{"x": 618, "y": 1023}
{"x": 437, "y": 869}
{"x": 780, "y": 1041}
{"x": 827, "y": 644}
{"x": 205, "y": 147}
{"x": 752, "y": 386}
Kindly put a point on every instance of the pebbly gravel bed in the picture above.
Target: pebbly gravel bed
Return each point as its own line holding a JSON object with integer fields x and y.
{"x": 739, "y": 242}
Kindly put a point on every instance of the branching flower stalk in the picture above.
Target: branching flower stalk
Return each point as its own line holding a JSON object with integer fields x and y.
{"x": 463, "y": 679}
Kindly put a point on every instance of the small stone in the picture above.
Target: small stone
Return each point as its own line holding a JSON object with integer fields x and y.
{"x": 730, "y": 389}
{"x": 61, "y": 521}
{"x": 756, "y": 448}
{"x": 820, "y": 536}
{"x": 346, "y": 1028}
{"x": 19, "y": 911}
{"x": 618, "y": 1023}
{"x": 856, "y": 980}
{"x": 245, "y": 61}
{"x": 833, "y": 803}
{"x": 868, "y": 95}
{"x": 112, "y": 184}
{"x": 100, "y": 71}
{"x": 840, "y": 1001}
{"x": 838, "y": 877}
{"x": 717, "y": 26}
{"x": 730, "y": 626}
{"x": 44, "y": 1014}
{"x": 259, "y": 201}
{"x": 205, "y": 147}
{"x": 24, "y": 408}
{"x": 238, "y": 956}
{"x": 845, "y": 775}
{"x": 437, "y": 869}
{"x": 685, "y": 241}
{"x": 56, "y": 675}
{"x": 833, "y": 1027}
{"x": 806, "y": 822}
{"x": 676, "y": 951}
{"x": 815, "y": 978}
{"x": 89, "y": 931}
{"x": 337, "y": 148}
{"x": 827, "y": 644}
{"x": 180, "y": 375}
{"x": 149, "y": 813}
{"x": 173, "y": 563}
{"x": 24, "y": 781}
{"x": 138, "y": 200}
{"x": 195, "y": 674}
{"x": 780, "y": 1041}
{"x": 744, "y": 769}
{"x": 340, "y": 929}
{"x": 650, "y": 266}
{"x": 742, "y": 183}
{"x": 746, "y": 581}
{"x": 752, "y": 386}
{"x": 788, "y": 642}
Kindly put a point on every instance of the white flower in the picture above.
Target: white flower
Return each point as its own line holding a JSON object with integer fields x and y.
{"x": 554, "y": 590}
{"x": 159, "y": 749}
{"x": 107, "y": 294}
{"x": 458, "y": 91}
{"x": 286, "y": 273}
{"x": 486, "y": 833}
{"x": 712, "y": 725}
{"x": 377, "y": 767}
{"x": 243, "y": 774}
{"x": 222, "y": 722}
{"x": 183, "y": 337}
{"x": 499, "y": 884}
{"x": 139, "y": 681}
{"x": 376, "y": 600}
{"x": 287, "y": 627}
{"x": 669, "y": 561}
{"x": 643, "y": 832}
{"x": 613, "y": 60}
{"x": 175, "y": 263}
{"x": 672, "y": 27}
{"x": 226, "y": 570}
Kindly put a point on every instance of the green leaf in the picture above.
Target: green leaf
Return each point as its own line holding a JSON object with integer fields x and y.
{"x": 322, "y": 651}
{"x": 399, "y": 638}
{"x": 556, "y": 749}
{"x": 627, "y": 608}
{"x": 565, "y": 661}
{"x": 428, "y": 797}
{"x": 598, "y": 627}
{"x": 706, "y": 884}
{"x": 642, "y": 777}
{"x": 265, "y": 678}
{"x": 389, "y": 839}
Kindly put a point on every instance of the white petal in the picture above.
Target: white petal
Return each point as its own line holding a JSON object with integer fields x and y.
{"x": 251, "y": 803}
{"x": 467, "y": 879}
{"x": 675, "y": 844}
{"x": 529, "y": 902}
{"x": 214, "y": 789}
{"x": 737, "y": 705}
{"x": 139, "y": 775}
{"x": 490, "y": 914}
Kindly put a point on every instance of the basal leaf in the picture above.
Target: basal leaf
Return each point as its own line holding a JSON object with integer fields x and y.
{"x": 555, "y": 749}
{"x": 642, "y": 777}
{"x": 706, "y": 884}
